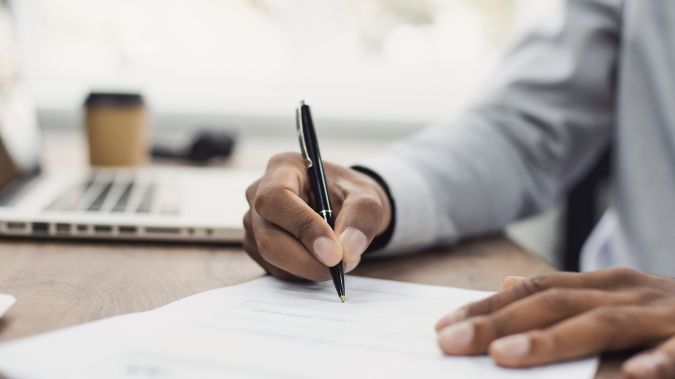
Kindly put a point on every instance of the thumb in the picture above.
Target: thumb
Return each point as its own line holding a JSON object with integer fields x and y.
{"x": 359, "y": 221}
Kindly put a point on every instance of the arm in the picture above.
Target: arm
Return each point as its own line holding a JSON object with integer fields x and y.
{"x": 548, "y": 110}
{"x": 540, "y": 123}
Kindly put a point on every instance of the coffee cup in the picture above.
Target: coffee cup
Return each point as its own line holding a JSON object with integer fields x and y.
{"x": 117, "y": 129}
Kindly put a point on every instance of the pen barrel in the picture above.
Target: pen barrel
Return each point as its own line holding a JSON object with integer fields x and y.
{"x": 315, "y": 171}
{"x": 309, "y": 145}
{"x": 322, "y": 204}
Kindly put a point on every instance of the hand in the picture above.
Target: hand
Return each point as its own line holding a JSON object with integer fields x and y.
{"x": 566, "y": 315}
{"x": 290, "y": 240}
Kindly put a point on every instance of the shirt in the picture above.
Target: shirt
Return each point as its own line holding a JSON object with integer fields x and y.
{"x": 597, "y": 71}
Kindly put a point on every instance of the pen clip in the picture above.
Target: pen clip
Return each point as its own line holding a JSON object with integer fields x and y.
{"x": 301, "y": 134}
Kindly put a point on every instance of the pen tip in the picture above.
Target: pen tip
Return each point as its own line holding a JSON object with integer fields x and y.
{"x": 343, "y": 298}
{"x": 302, "y": 102}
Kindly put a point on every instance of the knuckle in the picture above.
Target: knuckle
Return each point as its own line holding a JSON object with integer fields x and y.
{"x": 491, "y": 304}
{"x": 623, "y": 275}
{"x": 669, "y": 314}
{"x": 647, "y": 295}
{"x": 368, "y": 205}
{"x": 555, "y": 299}
{"x": 609, "y": 317}
{"x": 247, "y": 221}
{"x": 489, "y": 327}
{"x": 536, "y": 284}
{"x": 364, "y": 210}
{"x": 265, "y": 247}
{"x": 487, "y": 305}
{"x": 302, "y": 227}
{"x": 283, "y": 158}
{"x": 248, "y": 245}
{"x": 611, "y": 321}
{"x": 264, "y": 199}
{"x": 250, "y": 192}
{"x": 546, "y": 341}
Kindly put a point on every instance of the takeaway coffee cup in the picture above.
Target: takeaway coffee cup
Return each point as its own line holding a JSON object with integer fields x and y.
{"x": 117, "y": 129}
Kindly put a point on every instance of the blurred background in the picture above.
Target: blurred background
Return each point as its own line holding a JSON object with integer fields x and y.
{"x": 373, "y": 70}
{"x": 399, "y": 62}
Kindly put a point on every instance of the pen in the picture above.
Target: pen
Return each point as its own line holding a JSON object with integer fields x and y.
{"x": 309, "y": 147}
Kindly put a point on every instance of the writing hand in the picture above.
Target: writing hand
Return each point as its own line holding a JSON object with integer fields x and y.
{"x": 290, "y": 240}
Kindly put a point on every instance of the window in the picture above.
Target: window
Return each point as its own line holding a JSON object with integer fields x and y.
{"x": 404, "y": 60}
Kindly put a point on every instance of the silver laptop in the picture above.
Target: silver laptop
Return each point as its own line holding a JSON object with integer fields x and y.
{"x": 173, "y": 204}
{"x": 146, "y": 204}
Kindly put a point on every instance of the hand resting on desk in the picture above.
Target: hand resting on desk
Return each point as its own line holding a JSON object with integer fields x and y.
{"x": 290, "y": 240}
{"x": 567, "y": 315}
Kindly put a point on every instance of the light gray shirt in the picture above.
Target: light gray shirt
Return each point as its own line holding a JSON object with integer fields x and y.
{"x": 603, "y": 70}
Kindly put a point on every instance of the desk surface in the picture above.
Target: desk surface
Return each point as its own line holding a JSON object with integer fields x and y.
{"x": 58, "y": 284}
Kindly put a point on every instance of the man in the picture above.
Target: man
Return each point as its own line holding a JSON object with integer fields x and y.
{"x": 601, "y": 72}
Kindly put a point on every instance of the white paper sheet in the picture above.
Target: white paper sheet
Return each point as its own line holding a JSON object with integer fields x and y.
{"x": 6, "y": 302}
{"x": 271, "y": 329}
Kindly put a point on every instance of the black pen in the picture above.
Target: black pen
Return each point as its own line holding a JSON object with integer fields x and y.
{"x": 309, "y": 147}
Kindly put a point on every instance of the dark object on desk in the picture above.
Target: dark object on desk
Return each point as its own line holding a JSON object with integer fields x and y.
{"x": 309, "y": 146}
{"x": 206, "y": 145}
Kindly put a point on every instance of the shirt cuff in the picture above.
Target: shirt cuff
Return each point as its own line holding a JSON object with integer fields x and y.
{"x": 415, "y": 220}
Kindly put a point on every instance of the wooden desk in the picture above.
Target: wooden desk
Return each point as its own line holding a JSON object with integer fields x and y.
{"x": 58, "y": 284}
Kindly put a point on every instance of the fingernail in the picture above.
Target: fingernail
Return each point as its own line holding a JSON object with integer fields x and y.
{"x": 646, "y": 365}
{"x": 326, "y": 250}
{"x": 512, "y": 346}
{"x": 451, "y": 318}
{"x": 354, "y": 242}
{"x": 510, "y": 281}
{"x": 456, "y": 338}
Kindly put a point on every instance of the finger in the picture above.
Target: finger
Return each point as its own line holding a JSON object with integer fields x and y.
{"x": 524, "y": 288}
{"x": 251, "y": 249}
{"x": 603, "y": 329}
{"x": 283, "y": 251}
{"x": 277, "y": 200}
{"x": 474, "y": 335}
{"x": 510, "y": 281}
{"x": 658, "y": 363}
{"x": 251, "y": 191}
{"x": 359, "y": 221}
{"x": 349, "y": 267}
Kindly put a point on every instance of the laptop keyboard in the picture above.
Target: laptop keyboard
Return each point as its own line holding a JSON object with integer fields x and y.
{"x": 112, "y": 192}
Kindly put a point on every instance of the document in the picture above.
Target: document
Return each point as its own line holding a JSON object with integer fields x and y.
{"x": 267, "y": 328}
{"x": 6, "y": 302}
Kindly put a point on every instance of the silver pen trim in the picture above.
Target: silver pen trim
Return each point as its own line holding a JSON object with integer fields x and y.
{"x": 301, "y": 135}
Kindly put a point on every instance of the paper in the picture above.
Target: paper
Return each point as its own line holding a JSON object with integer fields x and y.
{"x": 272, "y": 329}
{"x": 6, "y": 302}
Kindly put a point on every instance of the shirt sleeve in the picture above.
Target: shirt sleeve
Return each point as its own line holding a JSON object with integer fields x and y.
{"x": 541, "y": 121}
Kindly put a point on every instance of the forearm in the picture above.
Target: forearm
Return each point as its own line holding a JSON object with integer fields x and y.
{"x": 541, "y": 122}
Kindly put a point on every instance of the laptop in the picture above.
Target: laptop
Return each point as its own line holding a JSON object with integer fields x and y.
{"x": 161, "y": 204}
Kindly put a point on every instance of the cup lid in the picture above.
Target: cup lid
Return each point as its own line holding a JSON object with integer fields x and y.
{"x": 113, "y": 99}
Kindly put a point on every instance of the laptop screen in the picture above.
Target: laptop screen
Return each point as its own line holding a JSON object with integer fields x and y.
{"x": 19, "y": 134}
